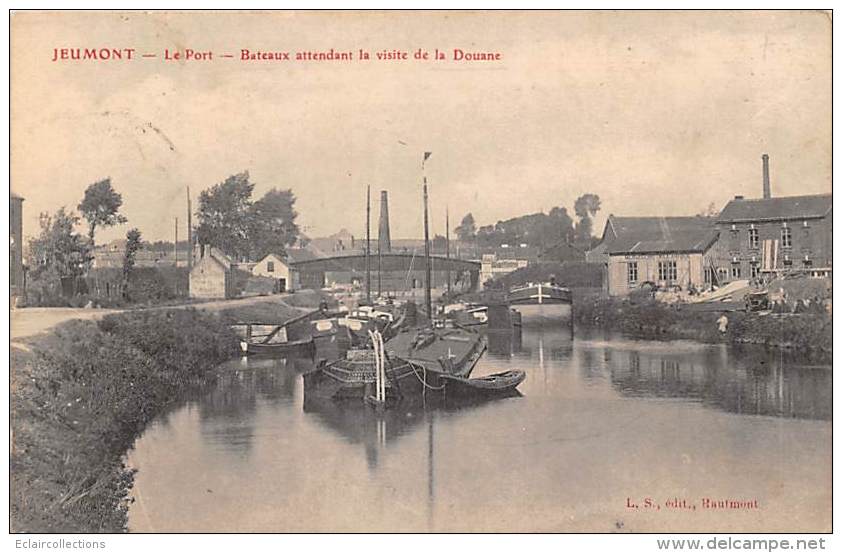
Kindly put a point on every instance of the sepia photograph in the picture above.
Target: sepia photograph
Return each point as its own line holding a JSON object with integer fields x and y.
{"x": 426, "y": 272}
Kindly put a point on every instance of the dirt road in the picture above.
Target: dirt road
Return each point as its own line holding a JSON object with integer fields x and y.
{"x": 31, "y": 321}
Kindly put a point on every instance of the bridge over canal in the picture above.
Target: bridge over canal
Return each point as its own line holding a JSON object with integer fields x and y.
{"x": 396, "y": 270}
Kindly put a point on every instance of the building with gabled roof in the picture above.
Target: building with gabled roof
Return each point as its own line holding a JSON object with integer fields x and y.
{"x": 665, "y": 251}
{"x": 212, "y": 275}
{"x": 773, "y": 235}
{"x": 279, "y": 267}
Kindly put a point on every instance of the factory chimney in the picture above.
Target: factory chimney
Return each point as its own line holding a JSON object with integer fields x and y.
{"x": 767, "y": 188}
{"x": 384, "y": 241}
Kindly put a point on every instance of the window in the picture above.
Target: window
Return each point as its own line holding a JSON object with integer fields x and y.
{"x": 755, "y": 270}
{"x": 708, "y": 275}
{"x": 270, "y": 266}
{"x": 735, "y": 270}
{"x": 753, "y": 240}
{"x": 632, "y": 272}
{"x": 786, "y": 237}
{"x": 735, "y": 237}
{"x": 667, "y": 271}
{"x": 808, "y": 263}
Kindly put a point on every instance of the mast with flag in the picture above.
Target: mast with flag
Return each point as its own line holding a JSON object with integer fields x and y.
{"x": 368, "y": 245}
{"x": 428, "y": 300}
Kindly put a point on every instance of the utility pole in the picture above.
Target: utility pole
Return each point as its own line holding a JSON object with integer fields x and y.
{"x": 175, "y": 246}
{"x": 175, "y": 254}
{"x": 189, "y": 233}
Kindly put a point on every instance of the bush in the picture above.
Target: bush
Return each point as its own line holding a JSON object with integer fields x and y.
{"x": 81, "y": 399}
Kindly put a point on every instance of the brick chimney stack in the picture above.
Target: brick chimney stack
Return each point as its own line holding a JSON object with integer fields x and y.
{"x": 767, "y": 188}
{"x": 384, "y": 241}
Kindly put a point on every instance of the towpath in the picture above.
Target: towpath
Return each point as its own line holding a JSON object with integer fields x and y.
{"x": 31, "y": 321}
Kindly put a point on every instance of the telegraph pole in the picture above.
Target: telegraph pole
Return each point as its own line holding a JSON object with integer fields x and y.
{"x": 175, "y": 246}
{"x": 189, "y": 233}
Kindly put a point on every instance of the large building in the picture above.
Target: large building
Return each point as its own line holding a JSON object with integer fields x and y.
{"x": 773, "y": 235}
{"x": 665, "y": 251}
{"x": 766, "y": 236}
{"x": 16, "y": 274}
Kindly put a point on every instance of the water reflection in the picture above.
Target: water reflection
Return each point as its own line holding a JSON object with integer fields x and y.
{"x": 752, "y": 382}
{"x": 226, "y": 410}
{"x": 276, "y": 459}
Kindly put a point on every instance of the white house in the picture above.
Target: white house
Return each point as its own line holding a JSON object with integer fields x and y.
{"x": 276, "y": 267}
{"x": 212, "y": 275}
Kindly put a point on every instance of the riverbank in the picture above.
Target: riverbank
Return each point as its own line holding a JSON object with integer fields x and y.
{"x": 83, "y": 390}
{"x": 82, "y": 394}
{"x": 810, "y": 334}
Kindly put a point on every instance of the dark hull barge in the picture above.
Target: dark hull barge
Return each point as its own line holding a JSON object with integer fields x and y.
{"x": 415, "y": 364}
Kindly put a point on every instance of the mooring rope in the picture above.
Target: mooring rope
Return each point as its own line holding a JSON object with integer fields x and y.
{"x": 423, "y": 381}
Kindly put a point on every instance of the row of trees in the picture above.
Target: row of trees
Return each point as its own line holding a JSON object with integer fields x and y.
{"x": 227, "y": 219}
{"x": 537, "y": 229}
{"x": 60, "y": 253}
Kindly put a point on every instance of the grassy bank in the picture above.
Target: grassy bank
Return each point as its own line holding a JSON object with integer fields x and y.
{"x": 286, "y": 308}
{"x": 80, "y": 397}
{"x": 807, "y": 333}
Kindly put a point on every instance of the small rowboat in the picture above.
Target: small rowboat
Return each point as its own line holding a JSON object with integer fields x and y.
{"x": 504, "y": 383}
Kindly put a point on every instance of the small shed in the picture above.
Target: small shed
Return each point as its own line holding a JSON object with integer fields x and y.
{"x": 212, "y": 275}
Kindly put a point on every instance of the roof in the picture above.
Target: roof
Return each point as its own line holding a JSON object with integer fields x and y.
{"x": 220, "y": 257}
{"x": 277, "y": 256}
{"x": 14, "y": 196}
{"x": 660, "y": 234}
{"x": 777, "y": 209}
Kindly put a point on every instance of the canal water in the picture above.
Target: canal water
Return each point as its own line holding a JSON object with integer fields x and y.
{"x": 608, "y": 435}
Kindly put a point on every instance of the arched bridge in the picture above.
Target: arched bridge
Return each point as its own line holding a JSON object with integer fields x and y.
{"x": 386, "y": 262}
{"x": 395, "y": 270}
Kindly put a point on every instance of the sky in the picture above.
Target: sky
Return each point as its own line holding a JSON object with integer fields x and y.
{"x": 659, "y": 113}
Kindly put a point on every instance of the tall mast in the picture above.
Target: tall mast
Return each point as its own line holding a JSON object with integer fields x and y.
{"x": 428, "y": 299}
{"x": 379, "y": 266}
{"x": 447, "y": 245}
{"x": 368, "y": 244}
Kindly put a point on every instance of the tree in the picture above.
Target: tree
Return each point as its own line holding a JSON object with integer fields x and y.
{"x": 223, "y": 215}
{"x": 133, "y": 244}
{"x": 58, "y": 251}
{"x": 467, "y": 229}
{"x": 586, "y": 206}
{"x": 558, "y": 228}
{"x": 272, "y": 225}
{"x": 710, "y": 212}
{"x": 100, "y": 207}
